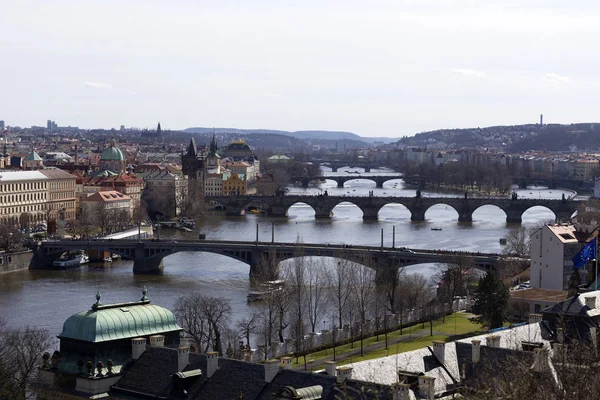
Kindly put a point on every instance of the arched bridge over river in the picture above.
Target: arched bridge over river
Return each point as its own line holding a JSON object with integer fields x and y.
{"x": 379, "y": 179}
{"x": 323, "y": 205}
{"x": 147, "y": 255}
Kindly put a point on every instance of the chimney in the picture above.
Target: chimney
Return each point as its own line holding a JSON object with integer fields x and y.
{"x": 401, "y": 391}
{"x": 427, "y": 387}
{"x": 439, "y": 348}
{"x": 157, "y": 341}
{"x": 540, "y": 361}
{"x": 212, "y": 363}
{"x": 343, "y": 373}
{"x": 183, "y": 358}
{"x": 535, "y": 318}
{"x": 138, "y": 347}
{"x": 475, "y": 350}
{"x": 492, "y": 341}
{"x": 271, "y": 370}
{"x": 590, "y": 302}
{"x": 330, "y": 368}
{"x": 560, "y": 335}
{"x": 286, "y": 362}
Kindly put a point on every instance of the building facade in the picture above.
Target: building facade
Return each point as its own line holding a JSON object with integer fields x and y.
{"x": 61, "y": 195}
{"x": 551, "y": 256}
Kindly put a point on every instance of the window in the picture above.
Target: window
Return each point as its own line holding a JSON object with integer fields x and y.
{"x": 537, "y": 308}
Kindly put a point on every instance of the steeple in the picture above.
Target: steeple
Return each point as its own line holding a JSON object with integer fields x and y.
{"x": 213, "y": 146}
{"x": 191, "y": 150}
{"x": 158, "y": 130}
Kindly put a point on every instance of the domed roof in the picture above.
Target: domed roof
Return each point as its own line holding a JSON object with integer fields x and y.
{"x": 119, "y": 321}
{"x": 112, "y": 153}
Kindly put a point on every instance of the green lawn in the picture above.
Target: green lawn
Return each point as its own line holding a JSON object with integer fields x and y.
{"x": 402, "y": 347}
{"x": 455, "y": 324}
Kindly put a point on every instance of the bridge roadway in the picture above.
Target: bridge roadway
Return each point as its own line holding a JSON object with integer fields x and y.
{"x": 379, "y": 179}
{"x": 279, "y": 205}
{"x": 263, "y": 257}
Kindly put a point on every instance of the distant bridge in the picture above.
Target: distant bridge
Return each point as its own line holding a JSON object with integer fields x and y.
{"x": 379, "y": 179}
{"x": 323, "y": 205}
{"x": 147, "y": 255}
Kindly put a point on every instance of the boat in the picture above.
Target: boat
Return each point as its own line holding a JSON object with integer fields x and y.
{"x": 72, "y": 260}
{"x": 107, "y": 259}
{"x": 265, "y": 289}
{"x": 503, "y": 241}
{"x": 436, "y": 229}
{"x": 184, "y": 228}
{"x": 255, "y": 211}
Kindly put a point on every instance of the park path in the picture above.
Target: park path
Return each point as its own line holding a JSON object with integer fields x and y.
{"x": 320, "y": 363}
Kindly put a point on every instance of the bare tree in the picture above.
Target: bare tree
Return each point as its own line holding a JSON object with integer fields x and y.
{"x": 294, "y": 274}
{"x": 518, "y": 241}
{"x": 248, "y": 326}
{"x": 204, "y": 318}
{"x": 339, "y": 284}
{"x": 363, "y": 291}
{"x": 453, "y": 279}
{"x": 11, "y": 237}
{"x": 316, "y": 294}
{"x": 20, "y": 355}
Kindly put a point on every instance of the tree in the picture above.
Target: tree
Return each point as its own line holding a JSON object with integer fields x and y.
{"x": 363, "y": 291}
{"x": 247, "y": 327}
{"x": 453, "y": 279}
{"x": 11, "y": 237}
{"x": 20, "y": 355}
{"x": 339, "y": 284}
{"x": 316, "y": 295}
{"x": 518, "y": 241}
{"x": 491, "y": 301}
{"x": 204, "y": 318}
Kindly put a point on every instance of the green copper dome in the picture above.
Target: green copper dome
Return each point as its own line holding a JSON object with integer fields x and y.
{"x": 112, "y": 153}
{"x": 33, "y": 156}
{"x": 119, "y": 321}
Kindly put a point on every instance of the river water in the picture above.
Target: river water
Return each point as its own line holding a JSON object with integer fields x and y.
{"x": 46, "y": 298}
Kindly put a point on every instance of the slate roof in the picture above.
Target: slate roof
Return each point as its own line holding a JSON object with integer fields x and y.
{"x": 576, "y": 305}
{"x": 150, "y": 377}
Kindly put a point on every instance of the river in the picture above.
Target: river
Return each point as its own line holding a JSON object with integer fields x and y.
{"x": 45, "y": 298}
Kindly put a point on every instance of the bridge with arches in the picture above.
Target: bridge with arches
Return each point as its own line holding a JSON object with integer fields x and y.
{"x": 323, "y": 205}
{"x": 379, "y": 179}
{"x": 147, "y": 255}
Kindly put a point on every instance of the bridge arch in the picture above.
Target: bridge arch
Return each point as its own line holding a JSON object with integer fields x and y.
{"x": 343, "y": 182}
{"x": 394, "y": 211}
{"x": 347, "y": 210}
{"x": 444, "y": 209}
{"x": 538, "y": 213}
{"x": 301, "y": 209}
{"x": 488, "y": 210}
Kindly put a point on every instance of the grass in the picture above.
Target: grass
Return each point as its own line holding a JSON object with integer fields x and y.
{"x": 454, "y": 324}
{"x": 397, "y": 348}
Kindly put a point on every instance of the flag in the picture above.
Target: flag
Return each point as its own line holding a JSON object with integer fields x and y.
{"x": 587, "y": 253}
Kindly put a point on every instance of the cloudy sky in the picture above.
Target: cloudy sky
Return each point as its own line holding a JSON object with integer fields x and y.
{"x": 376, "y": 68}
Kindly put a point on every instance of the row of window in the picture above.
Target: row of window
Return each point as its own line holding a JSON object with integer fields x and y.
{"x": 21, "y": 187}
{"x": 18, "y": 198}
{"x": 62, "y": 185}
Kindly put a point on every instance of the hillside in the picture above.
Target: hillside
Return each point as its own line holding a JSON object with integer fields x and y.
{"x": 514, "y": 138}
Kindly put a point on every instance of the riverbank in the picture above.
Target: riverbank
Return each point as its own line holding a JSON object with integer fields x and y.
{"x": 15, "y": 261}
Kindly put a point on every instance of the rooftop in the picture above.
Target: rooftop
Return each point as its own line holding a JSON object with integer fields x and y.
{"x": 118, "y": 321}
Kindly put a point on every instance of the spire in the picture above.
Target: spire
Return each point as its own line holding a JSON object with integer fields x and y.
{"x": 158, "y": 130}
{"x": 191, "y": 150}
{"x": 213, "y": 146}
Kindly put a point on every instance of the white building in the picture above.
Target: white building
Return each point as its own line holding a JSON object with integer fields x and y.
{"x": 552, "y": 250}
{"x": 23, "y": 192}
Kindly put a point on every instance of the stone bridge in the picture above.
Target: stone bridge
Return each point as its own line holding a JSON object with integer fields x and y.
{"x": 341, "y": 179}
{"x": 262, "y": 257}
{"x": 323, "y": 205}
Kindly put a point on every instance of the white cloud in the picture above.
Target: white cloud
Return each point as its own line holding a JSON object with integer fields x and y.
{"x": 469, "y": 72}
{"x": 97, "y": 85}
{"x": 557, "y": 78}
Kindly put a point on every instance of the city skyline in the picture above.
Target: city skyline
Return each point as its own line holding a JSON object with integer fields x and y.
{"x": 389, "y": 69}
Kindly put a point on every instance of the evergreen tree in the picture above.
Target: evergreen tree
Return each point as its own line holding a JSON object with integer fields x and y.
{"x": 491, "y": 300}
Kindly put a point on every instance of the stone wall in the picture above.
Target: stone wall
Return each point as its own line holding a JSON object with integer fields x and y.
{"x": 15, "y": 261}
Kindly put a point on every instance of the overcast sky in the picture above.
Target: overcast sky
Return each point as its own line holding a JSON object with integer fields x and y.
{"x": 376, "y": 68}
